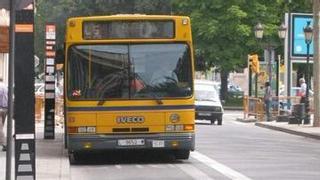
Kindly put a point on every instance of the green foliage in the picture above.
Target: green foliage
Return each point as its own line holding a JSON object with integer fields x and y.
{"x": 222, "y": 29}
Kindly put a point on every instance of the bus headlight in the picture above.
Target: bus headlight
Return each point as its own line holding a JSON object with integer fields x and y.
{"x": 178, "y": 127}
{"x": 82, "y": 129}
{"x": 91, "y": 129}
{"x": 86, "y": 129}
{"x": 174, "y": 127}
{"x": 170, "y": 127}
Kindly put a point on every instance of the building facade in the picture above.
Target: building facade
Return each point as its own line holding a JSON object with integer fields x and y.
{"x": 4, "y": 44}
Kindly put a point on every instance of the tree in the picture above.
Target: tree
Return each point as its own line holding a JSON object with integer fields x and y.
{"x": 223, "y": 30}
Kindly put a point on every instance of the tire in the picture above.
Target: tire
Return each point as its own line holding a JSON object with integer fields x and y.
{"x": 219, "y": 121}
{"x": 73, "y": 158}
{"x": 213, "y": 121}
{"x": 182, "y": 154}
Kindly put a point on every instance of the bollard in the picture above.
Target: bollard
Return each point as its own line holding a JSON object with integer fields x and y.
{"x": 298, "y": 113}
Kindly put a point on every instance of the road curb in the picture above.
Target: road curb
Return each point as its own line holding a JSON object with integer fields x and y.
{"x": 246, "y": 120}
{"x": 299, "y": 133}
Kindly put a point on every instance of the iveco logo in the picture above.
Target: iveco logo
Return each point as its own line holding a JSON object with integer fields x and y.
{"x": 130, "y": 119}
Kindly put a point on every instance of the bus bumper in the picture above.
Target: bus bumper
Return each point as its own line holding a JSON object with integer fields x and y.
{"x": 172, "y": 141}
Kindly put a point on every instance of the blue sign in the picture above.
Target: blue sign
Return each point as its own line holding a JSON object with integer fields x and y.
{"x": 299, "y": 46}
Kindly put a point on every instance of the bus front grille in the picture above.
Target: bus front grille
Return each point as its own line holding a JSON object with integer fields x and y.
{"x": 139, "y": 129}
{"x": 121, "y": 130}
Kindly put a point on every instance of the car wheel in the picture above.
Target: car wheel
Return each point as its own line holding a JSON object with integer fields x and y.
{"x": 182, "y": 154}
{"x": 219, "y": 121}
{"x": 213, "y": 121}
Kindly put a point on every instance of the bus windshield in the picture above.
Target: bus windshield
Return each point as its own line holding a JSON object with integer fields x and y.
{"x": 129, "y": 71}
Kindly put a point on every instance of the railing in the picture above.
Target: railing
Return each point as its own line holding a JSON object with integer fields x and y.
{"x": 279, "y": 106}
{"x": 253, "y": 107}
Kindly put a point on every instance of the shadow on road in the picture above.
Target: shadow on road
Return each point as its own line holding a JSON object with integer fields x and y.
{"x": 126, "y": 157}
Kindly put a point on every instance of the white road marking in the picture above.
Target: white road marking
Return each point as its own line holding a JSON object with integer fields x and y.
{"x": 154, "y": 166}
{"x": 139, "y": 166}
{"x": 118, "y": 166}
{"x": 240, "y": 123}
{"x": 193, "y": 172}
{"x": 228, "y": 172}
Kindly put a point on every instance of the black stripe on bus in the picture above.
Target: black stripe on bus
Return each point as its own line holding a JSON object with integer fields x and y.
{"x": 130, "y": 108}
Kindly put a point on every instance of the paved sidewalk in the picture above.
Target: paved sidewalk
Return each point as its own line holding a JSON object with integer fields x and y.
{"x": 51, "y": 158}
{"x": 301, "y": 130}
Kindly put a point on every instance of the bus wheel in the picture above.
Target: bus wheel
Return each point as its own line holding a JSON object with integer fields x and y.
{"x": 73, "y": 157}
{"x": 182, "y": 154}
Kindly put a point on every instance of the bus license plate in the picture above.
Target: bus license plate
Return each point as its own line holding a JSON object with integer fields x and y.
{"x": 131, "y": 142}
{"x": 157, "y": 143}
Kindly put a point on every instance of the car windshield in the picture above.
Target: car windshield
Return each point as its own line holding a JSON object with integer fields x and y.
{"x": 202, "y": 95}
{"x": 206, "y": 93}
{"x": 135, "y": 71}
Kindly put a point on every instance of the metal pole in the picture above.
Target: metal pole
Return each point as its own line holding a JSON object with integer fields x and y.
{"x": 250, "y": 81}
{"x": 289, "y": 54}
{"x": 278, "y": 63}
{"x": 307, "y": 118}
{"x": 10, "y": 88}
{"x": 269, "y": 64}
{"x": 256, "y": 85}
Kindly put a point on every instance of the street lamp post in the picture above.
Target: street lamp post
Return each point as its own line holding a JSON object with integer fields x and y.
{"x": 258, "y": 31}
{"x": 308, "y": 35}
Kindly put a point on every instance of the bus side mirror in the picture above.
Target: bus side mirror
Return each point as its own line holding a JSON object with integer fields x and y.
{"x": 59, "y": 59}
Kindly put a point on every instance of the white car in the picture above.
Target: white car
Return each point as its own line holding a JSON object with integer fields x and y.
{"x": 215, "y": 84}
{"x": 207, "y": 103}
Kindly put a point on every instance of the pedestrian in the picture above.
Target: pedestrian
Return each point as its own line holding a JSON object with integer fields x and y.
{"x": 303, "y": 90}
{"x": 3, "y": 112}
{"x": 267, "y": 100}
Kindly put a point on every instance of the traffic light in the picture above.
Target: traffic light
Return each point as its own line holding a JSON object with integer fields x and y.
{"x": 254, "y": 63}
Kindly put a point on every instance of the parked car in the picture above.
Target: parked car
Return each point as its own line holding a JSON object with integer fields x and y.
{"x": 235, "y": 91}
{"x": 207, "y": 103}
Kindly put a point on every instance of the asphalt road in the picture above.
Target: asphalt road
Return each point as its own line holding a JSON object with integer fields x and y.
{"x": 232, "y": 151}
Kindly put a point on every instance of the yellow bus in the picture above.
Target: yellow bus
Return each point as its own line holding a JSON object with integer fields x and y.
{"x": 129, "y": 84}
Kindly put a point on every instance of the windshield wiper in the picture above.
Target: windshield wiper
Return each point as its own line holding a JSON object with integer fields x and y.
{"x": 157, "y": 98}
{"x": 101, "y": 102}
{"x": 154, "y": 95}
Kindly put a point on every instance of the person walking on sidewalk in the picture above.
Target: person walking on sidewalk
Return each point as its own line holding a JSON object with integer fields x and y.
{"x": 267, "y": 100}
{"x": 303, "y": 90}
{"x": 3, "y": 112}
